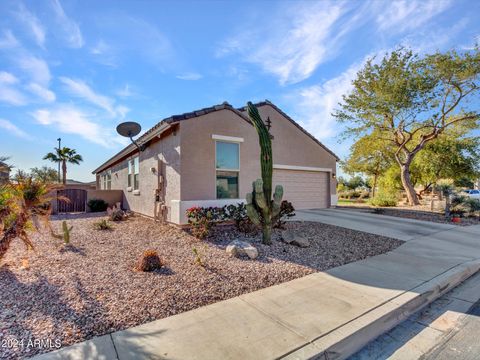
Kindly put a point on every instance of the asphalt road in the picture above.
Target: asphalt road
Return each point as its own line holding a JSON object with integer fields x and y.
{"x": 462, "y": 343}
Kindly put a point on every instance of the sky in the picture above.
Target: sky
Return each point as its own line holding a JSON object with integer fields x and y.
{"x": 75, "y": 69}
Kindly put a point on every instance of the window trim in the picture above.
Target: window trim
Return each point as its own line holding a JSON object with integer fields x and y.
{"x": 223, "y": 139}
{"x": 133, "y": 170}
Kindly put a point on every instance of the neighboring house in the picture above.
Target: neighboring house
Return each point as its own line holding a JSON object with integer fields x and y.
{"x": 4, "y": 172}
{"x": 210, "y": 157}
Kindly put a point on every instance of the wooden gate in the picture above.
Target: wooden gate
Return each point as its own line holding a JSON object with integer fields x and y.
{"x": 77, "y": 199}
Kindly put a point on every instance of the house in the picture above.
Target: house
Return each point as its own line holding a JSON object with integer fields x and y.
{"x": 4, "y": 172}
{"x": 210, "y": 157}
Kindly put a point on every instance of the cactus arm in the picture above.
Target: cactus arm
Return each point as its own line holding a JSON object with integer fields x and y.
{"x": 277, "y": 200}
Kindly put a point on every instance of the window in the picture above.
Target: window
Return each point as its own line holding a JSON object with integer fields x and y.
{"x": 106, "y": 183}
{"x": 133, "y": 173}
{"x": 228, "y": 167}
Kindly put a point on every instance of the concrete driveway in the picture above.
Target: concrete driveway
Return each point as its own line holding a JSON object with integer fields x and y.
{"x": 394, "y": 227}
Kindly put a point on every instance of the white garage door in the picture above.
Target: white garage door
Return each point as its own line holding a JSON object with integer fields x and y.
{"x": 304, "y": 189}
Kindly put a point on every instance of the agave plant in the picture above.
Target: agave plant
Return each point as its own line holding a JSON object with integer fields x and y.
{"x": 22, "y": 203}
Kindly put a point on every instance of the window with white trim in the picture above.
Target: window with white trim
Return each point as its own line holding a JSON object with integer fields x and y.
{"x": 107, "y": 180}
{"x": 227, "y": 163}
{"x": 133, "y": 173}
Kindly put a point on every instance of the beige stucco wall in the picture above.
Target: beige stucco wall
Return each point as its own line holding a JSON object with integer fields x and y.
{"x": 112, "y": 197}
{"x": 290, "y": 147}
{"x": 164, "y": 157}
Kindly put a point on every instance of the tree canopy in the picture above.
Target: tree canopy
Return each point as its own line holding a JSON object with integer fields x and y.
{"x": 408, "y": 101}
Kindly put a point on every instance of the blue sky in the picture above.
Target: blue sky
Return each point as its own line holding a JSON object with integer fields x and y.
{"x": 75, "y": 69}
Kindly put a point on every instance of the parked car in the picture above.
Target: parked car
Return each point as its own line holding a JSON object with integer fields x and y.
{"x": 474, "y": 194}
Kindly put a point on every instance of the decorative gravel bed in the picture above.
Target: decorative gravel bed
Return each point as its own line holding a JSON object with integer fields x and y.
{"x": 89, "y": 288}
{"x": 416, "y": 215}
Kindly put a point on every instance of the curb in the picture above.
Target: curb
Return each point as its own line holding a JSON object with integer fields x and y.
{"x": 353, "y": 336}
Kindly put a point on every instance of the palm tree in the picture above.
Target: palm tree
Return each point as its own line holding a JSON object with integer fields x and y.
{"x": 63, "y": 156}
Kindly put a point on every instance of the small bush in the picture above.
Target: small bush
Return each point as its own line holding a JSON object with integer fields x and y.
{"x": 238, "y": 213}
{"x": 201, "y": 220}
{"x": 97, "y": 205}
{"x": 150, "y": 261}
{"x": 116, "y": 214}
{"x": 383, "y": 199}
{"x": 102, "y": 225}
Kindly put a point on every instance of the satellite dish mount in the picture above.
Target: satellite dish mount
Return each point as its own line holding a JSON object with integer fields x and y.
{"x": 130, "y": 129}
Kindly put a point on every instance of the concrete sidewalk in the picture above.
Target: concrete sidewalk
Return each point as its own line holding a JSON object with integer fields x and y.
{"x": 329, "y": 314}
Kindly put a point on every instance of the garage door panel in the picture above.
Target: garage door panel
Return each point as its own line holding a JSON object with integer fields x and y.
{"x": 305, "y": 189}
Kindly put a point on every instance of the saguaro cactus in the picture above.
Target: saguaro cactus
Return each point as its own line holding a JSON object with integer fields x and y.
{"x": 66, "y": 232}
{"x": 261, "y": 209}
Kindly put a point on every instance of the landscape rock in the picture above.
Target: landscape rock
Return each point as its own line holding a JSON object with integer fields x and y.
{"x": 292, "y": 238}
{"x": 240, "y": 248}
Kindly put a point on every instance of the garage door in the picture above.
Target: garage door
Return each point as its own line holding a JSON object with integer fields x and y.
{"x": 304, "y": 189}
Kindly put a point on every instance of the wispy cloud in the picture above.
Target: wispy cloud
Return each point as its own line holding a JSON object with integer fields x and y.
{"x": 125, "y": 91}
{"x": 32, "y": 23}
{"x": 70, "y": 30}
{"x": 402, "y": 15}
{"x": 73, "y": 120}
{"x": 314, "y": 105}
{"x": 80, "y": 89}
{"x": 34, "y": 66}
{"x": 8, "y": 40}
{"x": 293, "y": 43}
{"x": 8, "y": 92}
{"x": 13, "y": 129}
{"x": 42, "y": 92}
{"x": 191, "y": 76}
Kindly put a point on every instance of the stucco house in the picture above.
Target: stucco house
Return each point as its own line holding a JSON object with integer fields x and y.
{"x": 210, "y": 157}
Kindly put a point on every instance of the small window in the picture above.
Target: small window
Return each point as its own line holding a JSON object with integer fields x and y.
{"x": 109, "y": 180}
{"x": 133, "y": 173}
{"x": 227, "y": 163}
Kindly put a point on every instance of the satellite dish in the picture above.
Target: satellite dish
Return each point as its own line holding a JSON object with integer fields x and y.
{"x": 129, "y": 129}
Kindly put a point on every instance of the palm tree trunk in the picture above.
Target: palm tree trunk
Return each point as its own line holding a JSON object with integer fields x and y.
{"x": 64, "y": 171}
{"x": 11, "y": 233}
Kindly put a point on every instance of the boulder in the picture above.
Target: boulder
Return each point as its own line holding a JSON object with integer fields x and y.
{"x": 290, "y": 237}
{"x": 242, "y": 248}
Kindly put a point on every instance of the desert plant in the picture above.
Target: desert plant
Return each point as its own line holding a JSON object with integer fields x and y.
{"x": 21, "y": 204}
{"x": 97, "y": 205}
{"x": 200, "y": 221}
{"x": 102, "y": 225}
{"x": 198, "y": 259}
{"x": 261, "y": 209}
{"x": 383, "y": 199}
{"x": 286, "y": 211}
{"x": 149, "y": 261}
{"x": 65, "y": 236}
{"x": 116, "y": 214}
{"x": 238, "y": 213}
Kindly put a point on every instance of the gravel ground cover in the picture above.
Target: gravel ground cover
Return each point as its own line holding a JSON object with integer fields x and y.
{"x": 70, "y": 293}
{"x": 417, "y": 214}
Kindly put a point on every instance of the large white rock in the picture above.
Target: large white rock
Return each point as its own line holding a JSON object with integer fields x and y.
{"x": 240, "y": 248}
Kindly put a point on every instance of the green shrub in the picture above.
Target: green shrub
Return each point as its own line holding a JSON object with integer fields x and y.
{"x": 97, "y": 205}
{"x": 382, "y": 199}
{"x": 201, "y": 220}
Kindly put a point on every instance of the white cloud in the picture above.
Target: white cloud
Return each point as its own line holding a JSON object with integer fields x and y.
{"x": 8, "y": 93}
{"x": 125, "y": 91}
{"x": 189, "y": 76}
{"x": 42, "y": 92}
{"x": 36, "y": 67}
{"x": 13, "y": 129}
{"x": 32, "y": 22}
{"x": 72, "y": 120}
{"x": 80, "y": 89}
{"x": 8, "y": 40}
{"x": 70, "y": 29}
{"x": 401, "y": 15}
{"x": 314, "y": 104}
{"x": 291, "y": 45}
